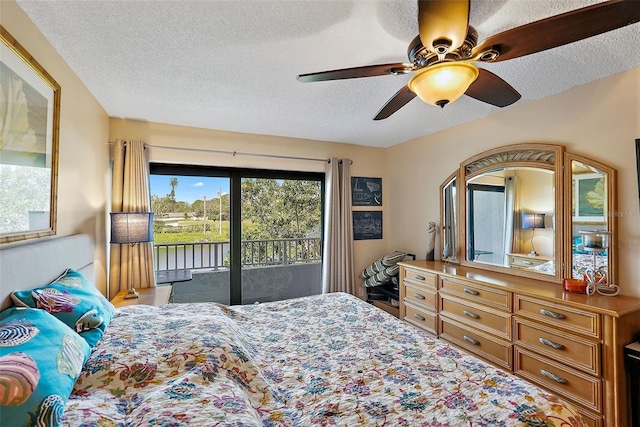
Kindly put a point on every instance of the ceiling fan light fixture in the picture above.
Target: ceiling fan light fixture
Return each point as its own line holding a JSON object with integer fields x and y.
{"x": 443, "y": 83}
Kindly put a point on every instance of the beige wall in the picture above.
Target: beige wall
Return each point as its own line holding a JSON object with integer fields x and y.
{"x": 84, "y": 131}
{"x": 367, "y": 161}
{"x": 599, "y": 120}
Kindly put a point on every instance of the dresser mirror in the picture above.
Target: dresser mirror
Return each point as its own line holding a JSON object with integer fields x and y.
{"x": 510, "y": 219}
{"x": 589, "y": 207}
{"x": 519, "y": 212}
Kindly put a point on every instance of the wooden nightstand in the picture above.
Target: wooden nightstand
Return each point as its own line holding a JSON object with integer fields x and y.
{"x": 149, "y": 296}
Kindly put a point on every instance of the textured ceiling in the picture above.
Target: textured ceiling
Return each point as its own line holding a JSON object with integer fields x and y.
{"x": 232, "y": 65}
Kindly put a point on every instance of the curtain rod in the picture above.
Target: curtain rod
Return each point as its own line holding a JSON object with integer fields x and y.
{"x": 235, "y": 153}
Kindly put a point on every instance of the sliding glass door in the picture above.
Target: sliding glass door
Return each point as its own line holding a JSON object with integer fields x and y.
{"x": 191, "y": 229}
{"x": 254, "y": 235}
{"x": 281, "y": 235}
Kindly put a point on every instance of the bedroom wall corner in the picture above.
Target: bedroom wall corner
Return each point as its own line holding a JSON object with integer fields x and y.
{"x": 84, "y": 132}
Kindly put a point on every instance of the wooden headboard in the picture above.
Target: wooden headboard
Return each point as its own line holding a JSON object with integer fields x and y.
{"x": 36, "y": 263}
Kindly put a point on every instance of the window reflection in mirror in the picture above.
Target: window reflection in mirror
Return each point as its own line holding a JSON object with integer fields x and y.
{"x": 449, "y": 220}
{"x": 589, "y": 207}
{"x": 496, "y": 234}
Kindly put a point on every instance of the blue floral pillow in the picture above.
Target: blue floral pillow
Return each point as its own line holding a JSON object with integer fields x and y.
{"x": 40, "y": 361}
{"x": 75, "y": 301}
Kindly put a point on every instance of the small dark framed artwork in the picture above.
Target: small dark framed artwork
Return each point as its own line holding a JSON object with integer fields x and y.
{"x": 367, "y": 225}
{"x": 366, "y": 191}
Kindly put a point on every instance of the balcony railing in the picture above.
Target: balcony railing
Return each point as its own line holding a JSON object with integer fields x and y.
{"x": 255, "y": 253}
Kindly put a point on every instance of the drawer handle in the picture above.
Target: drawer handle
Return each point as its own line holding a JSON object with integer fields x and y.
{"x": 551, "y": 344}
{"x": 419, "y": 296}
{"x": 471, "y": 340}
{"x": 419, "y": 277}
{"x": 552, "y": 314}
{"x": 421, "y": 318}
{"x": 470, "y": 314}
{"x": 471, "y": 291}
{"x": 527, "y": 262}
{"x": 553, "y": 377}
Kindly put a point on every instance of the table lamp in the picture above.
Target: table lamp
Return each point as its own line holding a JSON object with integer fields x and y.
{"x": 131, "y": 228}
{"x": 532, "y": 221}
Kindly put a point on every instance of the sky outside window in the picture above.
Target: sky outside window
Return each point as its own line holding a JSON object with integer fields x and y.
{"x": 189, "y": 188}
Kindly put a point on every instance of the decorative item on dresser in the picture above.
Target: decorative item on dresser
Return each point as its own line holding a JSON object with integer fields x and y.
{"x": 571, "y": 344}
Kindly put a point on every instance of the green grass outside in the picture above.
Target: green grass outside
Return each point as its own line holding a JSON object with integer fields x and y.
{"x": 212, "y": 234}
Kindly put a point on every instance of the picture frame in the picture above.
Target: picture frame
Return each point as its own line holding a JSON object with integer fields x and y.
{"x": 366, "y": 191}
{"x": 30, "y": 113}
{"x": 589, "y": 203}
{"x": 367, "y": 225}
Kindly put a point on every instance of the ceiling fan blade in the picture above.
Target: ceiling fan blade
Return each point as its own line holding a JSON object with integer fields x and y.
{"x": 492, "y": 89}
{"x": 562, "y": 29}
{"x": 356, "y": 72}
{"x": 443, "y": 19}
{"x": 397, "y": 101}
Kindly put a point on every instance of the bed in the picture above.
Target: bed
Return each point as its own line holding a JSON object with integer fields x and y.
{"x": 322, "y": 360}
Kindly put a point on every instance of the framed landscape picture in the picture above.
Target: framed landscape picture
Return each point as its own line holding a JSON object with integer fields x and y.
{"x": 366, "y": 191}
{"x": 367, "y": 225}
{"x": 30, "y": 115}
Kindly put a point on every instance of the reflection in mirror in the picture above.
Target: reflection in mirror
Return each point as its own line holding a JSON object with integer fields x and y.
{"x": 589, "y": 207}
{"x": 449, "y": 220}
{"x": 497, "y": 201}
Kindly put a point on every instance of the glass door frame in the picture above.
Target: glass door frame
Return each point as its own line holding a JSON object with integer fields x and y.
{"x": 235, "y": 176}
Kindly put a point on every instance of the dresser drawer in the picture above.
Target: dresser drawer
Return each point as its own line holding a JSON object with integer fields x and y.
{"x": 484, "y": 318}
{"x": 483, "y": 295}
{"x": 421, "y": 318}
{"x": 420, "y": 295}
{"x": 571, "y": 319}
{"x": 563, "y": 347}
{"x": 566, "y": 382}
{"x": 494, "y": 349}
{"x": 419, "y": 278}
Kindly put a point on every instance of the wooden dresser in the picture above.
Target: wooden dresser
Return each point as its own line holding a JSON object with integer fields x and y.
{"x": 569, "y": 344}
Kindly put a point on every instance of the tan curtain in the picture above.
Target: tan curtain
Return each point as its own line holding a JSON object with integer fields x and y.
{"x": 130, "y": 193}
{"x": 337, "y": 258}
{"x": 512, "y": 229}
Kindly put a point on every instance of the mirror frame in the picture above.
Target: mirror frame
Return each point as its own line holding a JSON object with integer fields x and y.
{"x": 31, "y": 71}
{"x": 454, "y": 258}
{"x": 609, "y": 214}
{"x": 552, "y": 157}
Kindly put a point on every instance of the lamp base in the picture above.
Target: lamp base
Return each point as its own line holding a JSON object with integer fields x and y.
{"x": 131, "y": 294}
{"x": 533, "y": 253}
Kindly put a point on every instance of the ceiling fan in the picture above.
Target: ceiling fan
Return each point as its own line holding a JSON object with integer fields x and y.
{"x": 442, "y": 55}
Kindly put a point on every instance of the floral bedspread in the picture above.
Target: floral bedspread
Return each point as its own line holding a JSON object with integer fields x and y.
{"x": 323, "y": 360}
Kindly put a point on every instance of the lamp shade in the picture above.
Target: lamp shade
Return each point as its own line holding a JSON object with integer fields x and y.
{"x": 443, "y": 83}
{"x": 131, "y": 227}
{"x": 533, "y": 220}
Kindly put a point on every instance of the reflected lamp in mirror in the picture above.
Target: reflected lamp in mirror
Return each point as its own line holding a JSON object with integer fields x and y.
{"x": 532, "y": 221}
{"x": 131, "y": 228}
